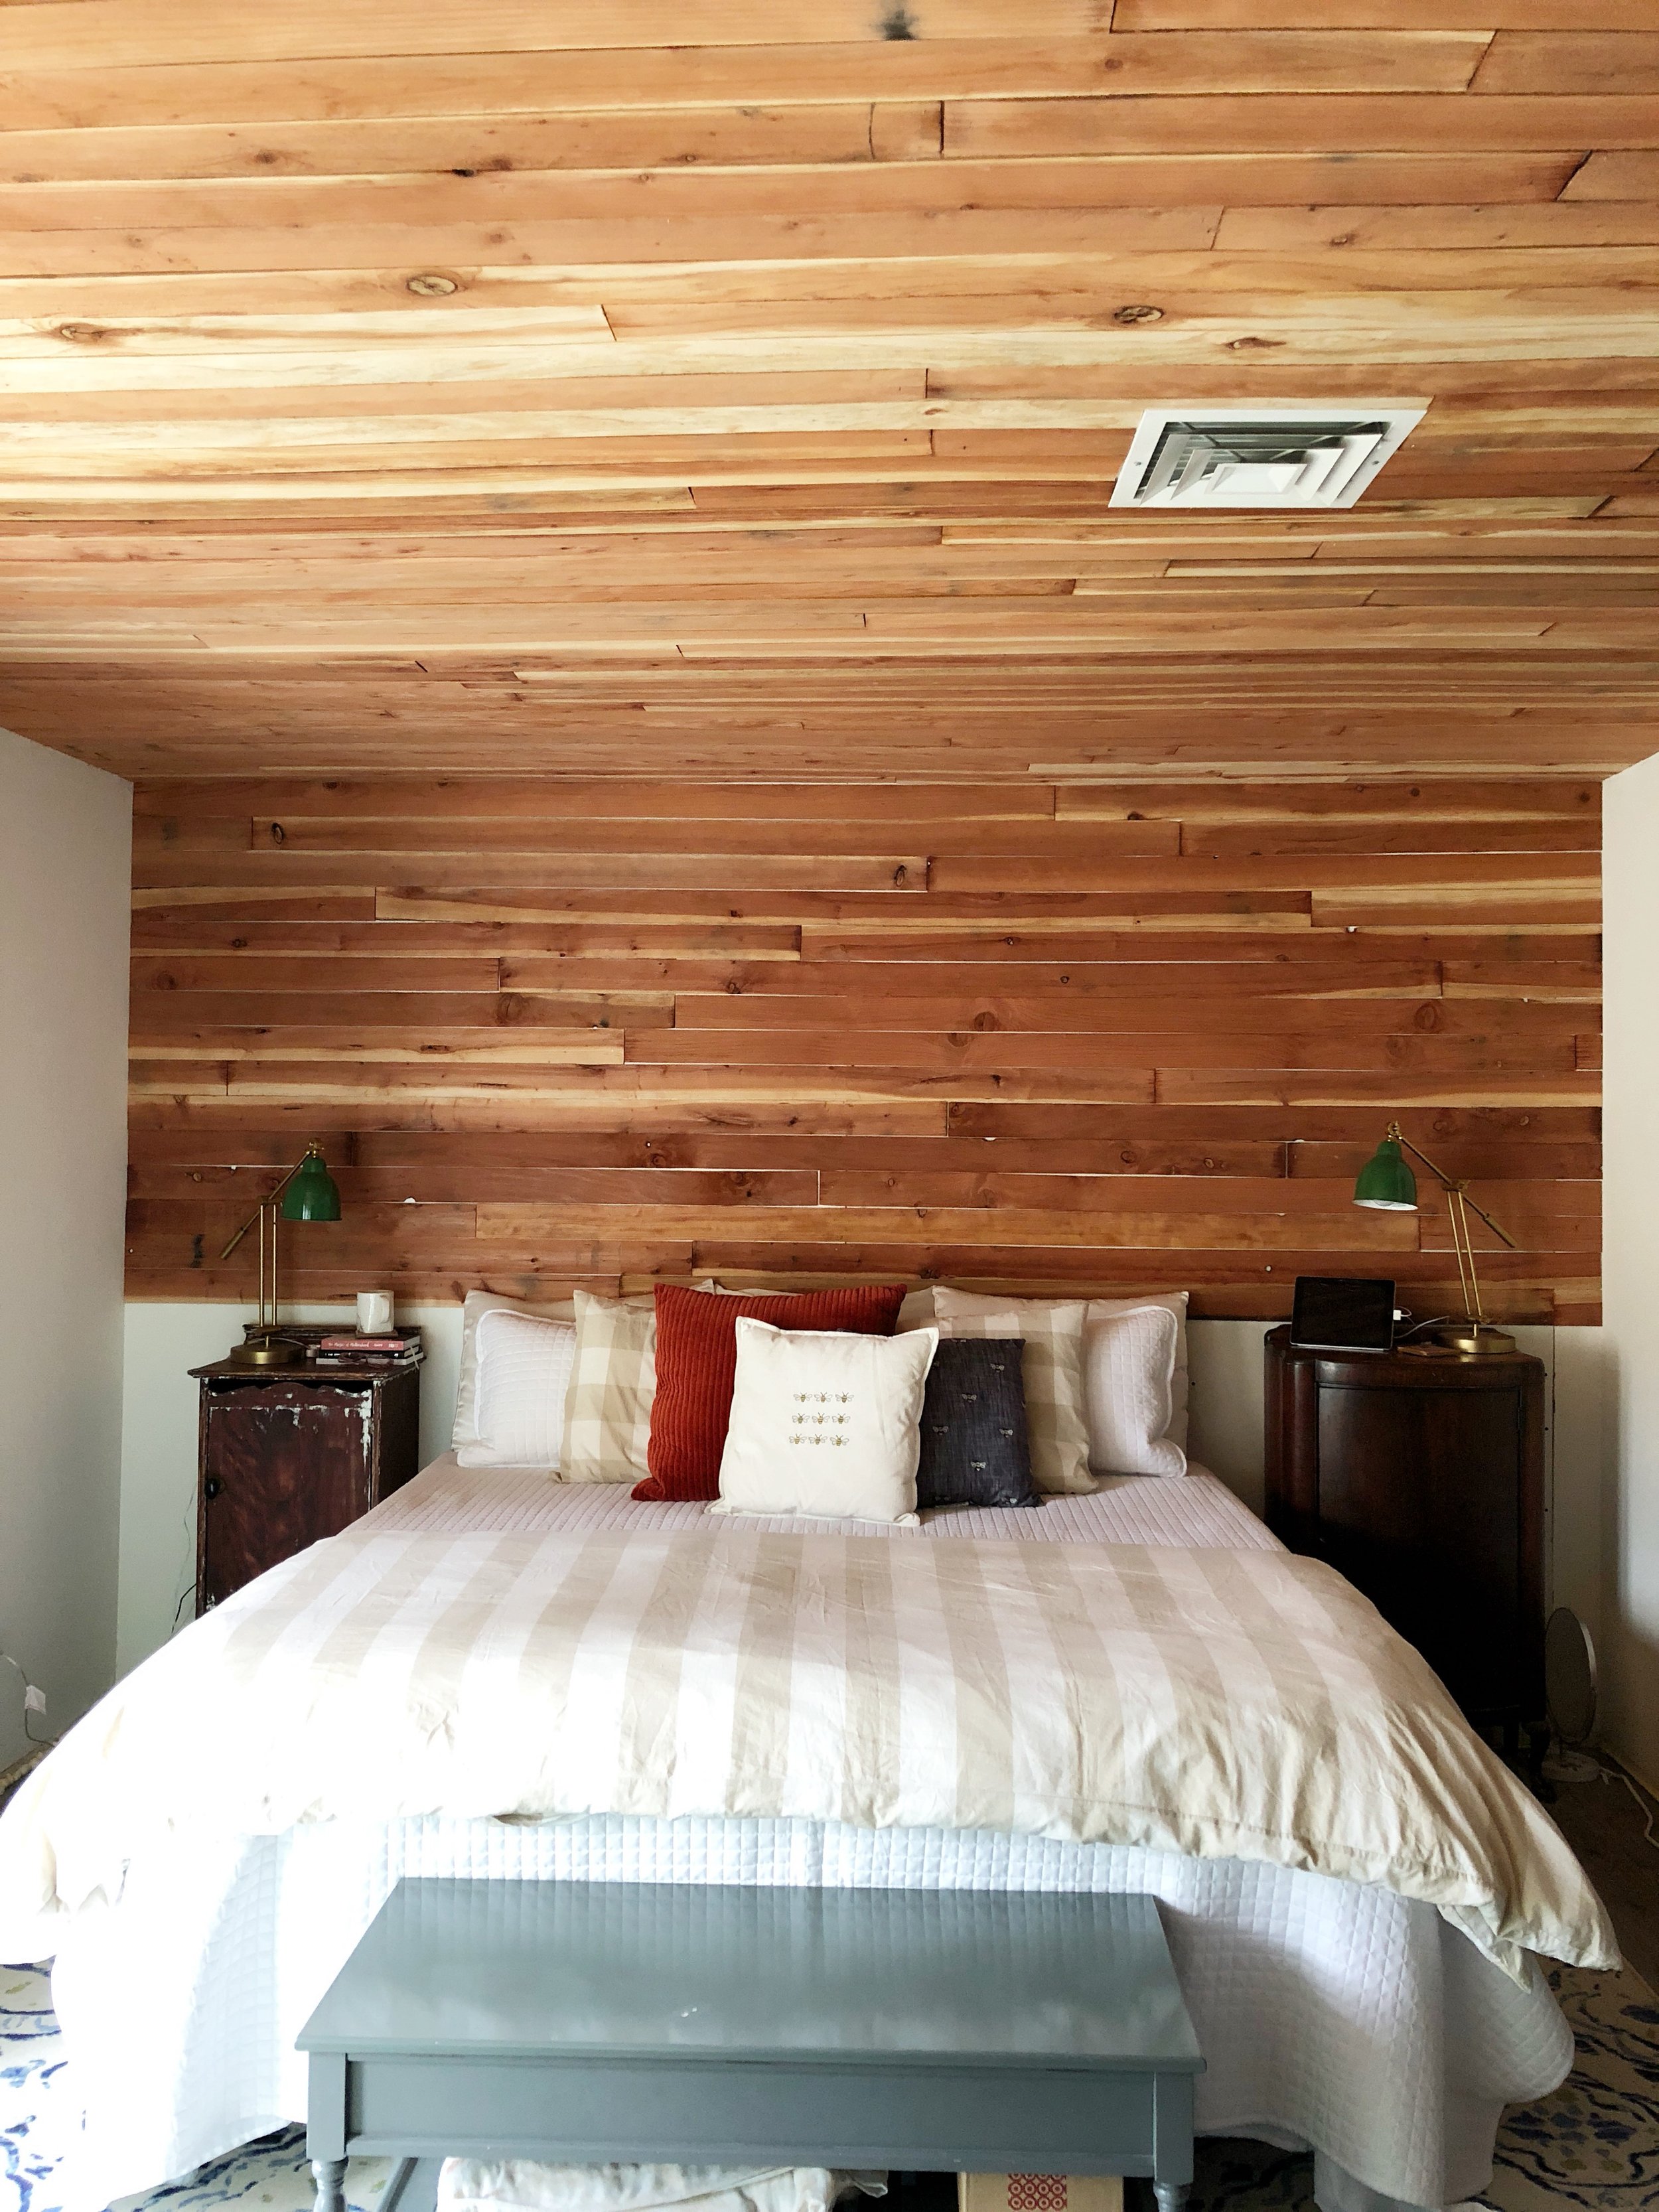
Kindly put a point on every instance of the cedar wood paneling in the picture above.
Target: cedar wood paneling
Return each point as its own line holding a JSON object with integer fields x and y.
{"x": 1124, "y": 1036}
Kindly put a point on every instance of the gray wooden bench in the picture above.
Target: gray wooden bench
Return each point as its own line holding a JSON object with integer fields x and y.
{"x": 581, "y": 2022}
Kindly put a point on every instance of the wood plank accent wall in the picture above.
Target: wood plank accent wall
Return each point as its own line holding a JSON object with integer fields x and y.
{"x": 557, "y": 1032}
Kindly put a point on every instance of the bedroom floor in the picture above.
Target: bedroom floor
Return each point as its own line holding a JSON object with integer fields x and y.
{"x": 1601, "y": 1821}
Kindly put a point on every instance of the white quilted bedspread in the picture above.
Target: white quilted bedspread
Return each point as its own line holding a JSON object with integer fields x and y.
{"x": 1331, "y": 2015}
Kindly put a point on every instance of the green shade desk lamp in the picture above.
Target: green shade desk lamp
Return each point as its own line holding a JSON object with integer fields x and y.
{"x": 306, "y": 1193}
{"x": 1387, "y": 1183}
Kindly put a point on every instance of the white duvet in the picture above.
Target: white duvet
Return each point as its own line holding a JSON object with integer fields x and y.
{"x": 1228, "y": 1705}
{"x": 1404, "y": 2106}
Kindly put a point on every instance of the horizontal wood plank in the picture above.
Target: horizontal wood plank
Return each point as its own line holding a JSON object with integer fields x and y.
{"x": 1182, "y": 1072}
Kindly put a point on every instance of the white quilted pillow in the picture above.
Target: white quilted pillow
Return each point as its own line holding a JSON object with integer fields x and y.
{"x": 1128, "y": 1369}
{"x": 1176, "y": 1302}
{"x": 522, "y": 1373}
{"x": 479, "y": 1303}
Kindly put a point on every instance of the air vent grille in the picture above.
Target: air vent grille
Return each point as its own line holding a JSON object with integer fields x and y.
{"x": 1259, "y": 456}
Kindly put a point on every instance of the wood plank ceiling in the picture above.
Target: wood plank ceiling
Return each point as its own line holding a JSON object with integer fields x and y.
{"x": 713, "y": 389}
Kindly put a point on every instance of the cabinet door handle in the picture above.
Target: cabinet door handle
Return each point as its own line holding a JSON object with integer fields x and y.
{"x": 212, "y": 1486}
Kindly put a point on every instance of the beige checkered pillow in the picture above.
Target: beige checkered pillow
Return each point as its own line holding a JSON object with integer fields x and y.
{"x": 613, "y": 1379}
{"x": 1051, "y": 1367}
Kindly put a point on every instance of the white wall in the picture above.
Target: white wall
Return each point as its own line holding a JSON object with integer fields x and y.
{"x": 65, "y": 893}
{"x": 1630, "y": 838}
{"x": 1224, "y": 1406}
{"x": 158, "y": 1476}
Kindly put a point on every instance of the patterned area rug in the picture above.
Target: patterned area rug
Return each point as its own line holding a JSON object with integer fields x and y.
{"x": 1594, "y": 2144}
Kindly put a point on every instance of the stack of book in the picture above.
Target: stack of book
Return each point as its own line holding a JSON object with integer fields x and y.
{"x": 348, "y": 1349}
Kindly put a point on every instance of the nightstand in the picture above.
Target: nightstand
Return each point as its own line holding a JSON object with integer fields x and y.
{"x": 1420, "y": 1475}
{"x": 292, "y": 1455}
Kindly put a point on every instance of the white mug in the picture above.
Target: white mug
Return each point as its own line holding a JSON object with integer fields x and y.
{"x": 374, "y": 1312}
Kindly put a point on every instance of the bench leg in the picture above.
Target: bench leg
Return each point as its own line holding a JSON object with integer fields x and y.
{"x": 330, "y": 2173}
{"x": 1172, "y": 2140}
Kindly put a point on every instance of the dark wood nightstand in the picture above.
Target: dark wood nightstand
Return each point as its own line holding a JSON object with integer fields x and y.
{"x": 292, "y": 1455}
{"x": 1420, "y": 1475}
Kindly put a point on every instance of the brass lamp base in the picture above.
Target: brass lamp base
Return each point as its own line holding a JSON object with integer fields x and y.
{"x": 1474, "y": 1339}
{"x": 267, "y": 1350}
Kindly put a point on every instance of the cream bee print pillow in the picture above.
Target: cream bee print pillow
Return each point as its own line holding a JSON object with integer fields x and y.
{"x": 825, "y": 1423}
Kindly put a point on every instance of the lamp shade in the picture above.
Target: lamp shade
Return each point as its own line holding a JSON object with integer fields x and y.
{"x": 311, "y": 1195}
{"x": 1386, "y": 1181}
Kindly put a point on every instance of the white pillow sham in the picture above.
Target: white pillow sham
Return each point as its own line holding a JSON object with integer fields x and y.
{"x": 1129, "y": 1370}
{"x": 1174, "y": 1302}
{"x": 478, "y": 1304}
{"x": 826, "y": 1422}
{"x": 521, "y": 1367}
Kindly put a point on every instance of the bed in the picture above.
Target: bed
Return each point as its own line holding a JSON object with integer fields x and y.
{"x": 1335, "y": 2014}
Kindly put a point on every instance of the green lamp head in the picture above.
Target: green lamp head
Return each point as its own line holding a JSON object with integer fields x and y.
{"x": 311, "y": 1195}
{"x": 1386, "y": 1181}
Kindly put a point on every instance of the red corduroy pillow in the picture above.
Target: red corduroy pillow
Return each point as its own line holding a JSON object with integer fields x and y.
{"x": 697, "y": 1367}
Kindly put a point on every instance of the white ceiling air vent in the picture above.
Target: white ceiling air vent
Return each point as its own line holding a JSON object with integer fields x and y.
{"x": 1302, "y": 456}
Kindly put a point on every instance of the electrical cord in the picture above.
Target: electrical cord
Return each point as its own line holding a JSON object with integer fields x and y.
{"x": 1609, "y": 1774}
{"x": 1572, "y": 1763}
{"x": 34, "y": 1701}
{"x": 1418, "y": 1327}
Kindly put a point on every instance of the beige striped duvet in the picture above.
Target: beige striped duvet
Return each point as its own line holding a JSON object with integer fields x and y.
{"x": 1227, "y": 1703}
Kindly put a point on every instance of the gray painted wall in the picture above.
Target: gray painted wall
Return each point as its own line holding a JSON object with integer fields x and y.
{"x": 65, "y": 894}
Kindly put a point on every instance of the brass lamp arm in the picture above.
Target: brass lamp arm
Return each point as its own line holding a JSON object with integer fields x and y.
{"x": 1453, "y": 1187}
{"x": 270, "y": 1198}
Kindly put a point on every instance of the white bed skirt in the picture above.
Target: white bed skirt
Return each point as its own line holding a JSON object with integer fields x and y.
{"x": 1331, "y": 2016}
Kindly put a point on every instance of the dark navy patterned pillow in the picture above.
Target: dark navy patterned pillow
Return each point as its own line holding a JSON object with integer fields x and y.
{"x": 974, "y": 1445}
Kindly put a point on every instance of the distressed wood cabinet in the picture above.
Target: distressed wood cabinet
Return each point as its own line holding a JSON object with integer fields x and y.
{"x": 291, "y": 1455}
{"x": 1420, "y": 1475}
